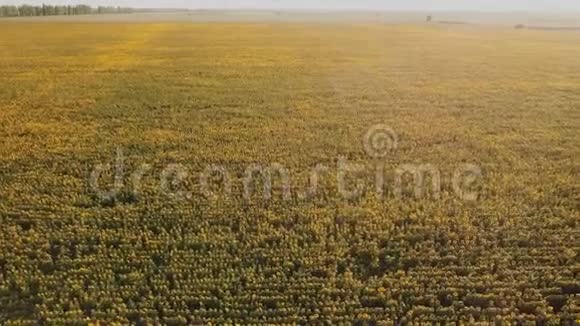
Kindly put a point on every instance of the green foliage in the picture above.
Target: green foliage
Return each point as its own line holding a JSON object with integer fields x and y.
{"x": 49, "y": 10}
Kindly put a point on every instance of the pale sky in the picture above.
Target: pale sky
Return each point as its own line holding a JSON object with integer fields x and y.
{"x": 468, "y": 5}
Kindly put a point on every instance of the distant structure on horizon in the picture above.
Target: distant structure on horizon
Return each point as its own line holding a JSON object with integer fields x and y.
{"x": 429, "y": 19}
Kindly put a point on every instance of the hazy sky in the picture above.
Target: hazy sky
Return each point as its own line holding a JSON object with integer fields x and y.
{"x": 480, "y": 5}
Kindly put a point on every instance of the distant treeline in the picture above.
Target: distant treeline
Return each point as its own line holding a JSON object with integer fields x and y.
{"x": 48, "y": 10}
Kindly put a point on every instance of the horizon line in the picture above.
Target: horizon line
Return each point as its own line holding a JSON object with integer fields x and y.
{"x": 323, "y": 9}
